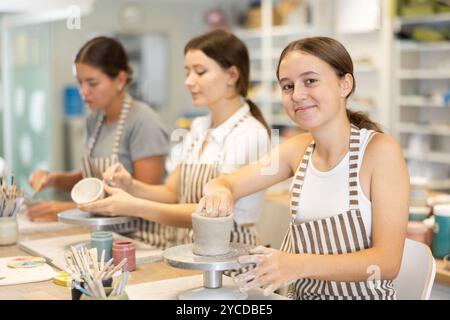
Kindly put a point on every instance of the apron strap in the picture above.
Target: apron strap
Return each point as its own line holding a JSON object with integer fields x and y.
{"x": 123, "y": 116}
{"x": 119, "y": 130}
{"x": 299, "y": 178}
{"x": 353, "y": 171}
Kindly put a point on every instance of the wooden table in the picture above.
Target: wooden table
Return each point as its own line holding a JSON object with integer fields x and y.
{"x": 47, "y": 290}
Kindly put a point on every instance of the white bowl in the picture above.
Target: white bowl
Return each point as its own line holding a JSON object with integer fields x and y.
{"x": 88, "y": 190}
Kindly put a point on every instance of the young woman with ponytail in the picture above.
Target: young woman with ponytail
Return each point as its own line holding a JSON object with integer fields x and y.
{"x": 231, "y": 136}
{"x": 350, "y": 189}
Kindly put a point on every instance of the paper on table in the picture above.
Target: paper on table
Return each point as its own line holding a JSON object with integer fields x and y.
{"x": 170, "y": 289}
{"x": 53, "y": 248}
{"x": 23, "y": 275}
{"x": 27, "y": 227}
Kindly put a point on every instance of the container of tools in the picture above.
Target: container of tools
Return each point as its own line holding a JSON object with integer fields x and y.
{"x": 11, "y": 200}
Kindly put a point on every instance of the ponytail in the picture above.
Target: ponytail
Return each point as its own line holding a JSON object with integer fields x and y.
{"x": 257, "y": 114}
{"x": 362, "y": 120}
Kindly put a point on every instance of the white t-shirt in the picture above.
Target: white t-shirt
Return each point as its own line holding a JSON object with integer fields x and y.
{"x": 325, "y": 194}
{"x": 232, "y": 147}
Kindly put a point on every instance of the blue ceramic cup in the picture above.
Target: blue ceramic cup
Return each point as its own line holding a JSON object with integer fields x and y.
{"x": 441, "y": 237}
{"x": 102, "y": 240}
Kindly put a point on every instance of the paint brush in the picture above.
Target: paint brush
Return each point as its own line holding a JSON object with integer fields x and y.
{"x": 116, "y": 268}
{"x": 102, "y": 260}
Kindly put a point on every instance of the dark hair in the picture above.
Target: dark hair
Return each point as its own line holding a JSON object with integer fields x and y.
{"x": 228, "y": 50}
{"x": 106, "y": 54}
{"x": 334, "y": 53}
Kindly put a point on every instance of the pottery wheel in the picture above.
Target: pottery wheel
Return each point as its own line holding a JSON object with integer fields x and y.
{"x": 183, "y": 257}
{"x": 89, "y": 219}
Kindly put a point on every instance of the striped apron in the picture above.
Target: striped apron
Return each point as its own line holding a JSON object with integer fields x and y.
{"x": 95, "y": 166}
{"x": 194, "y": 176}
{"x": 339, "y": 234}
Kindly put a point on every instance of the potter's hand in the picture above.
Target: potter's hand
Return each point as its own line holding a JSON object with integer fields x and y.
{"x": 217, "y": 202}
{"x": 119, "y": 203}
{"x": 46, "y": 211}
{"x": 272, "y": 270}
{"x": 117, "y": 176}
{"x": 41, "y": 180}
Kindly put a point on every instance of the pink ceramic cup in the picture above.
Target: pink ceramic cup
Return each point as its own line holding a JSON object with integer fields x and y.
{"x": 124, "y": 249}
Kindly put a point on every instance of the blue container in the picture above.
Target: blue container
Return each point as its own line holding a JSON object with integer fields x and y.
{"x": 73, "y": 103}
{"x": 441, "y": 237}
{"x": 102, "y": 240}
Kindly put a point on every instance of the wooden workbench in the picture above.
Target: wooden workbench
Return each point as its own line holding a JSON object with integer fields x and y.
{"x": 47, "y": 290}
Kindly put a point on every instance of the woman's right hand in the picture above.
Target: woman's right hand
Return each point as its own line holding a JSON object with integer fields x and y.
{"x": 41, "y": 180}
{"x": 117, "y": 176}
{"x": 217, "y": 201}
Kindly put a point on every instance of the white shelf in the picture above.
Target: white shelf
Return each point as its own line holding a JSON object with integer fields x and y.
{"x": 434, "y": 18}
{"x": 413, "y": 46}
{"x": 365, "y": 69}
{"x": 279, "y": 31}
{"x": 436, "y": 157}
{"x": 443, "y": 130}
{"x": 420, "y": 101}
{"x": 266, "y": 44}
{"x": 424, "y": 73}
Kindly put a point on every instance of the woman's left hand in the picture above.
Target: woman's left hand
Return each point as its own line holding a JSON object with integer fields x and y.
{"x": 119, "y": 203}
{"x": 273, "y": 270}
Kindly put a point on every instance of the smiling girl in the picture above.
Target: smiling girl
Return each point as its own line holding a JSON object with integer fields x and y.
{"x": 349, "y": 195}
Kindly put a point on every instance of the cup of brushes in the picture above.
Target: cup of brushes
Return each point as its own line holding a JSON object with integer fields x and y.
{"x": 93, "y": 279}
{"x": 11, "y": 200}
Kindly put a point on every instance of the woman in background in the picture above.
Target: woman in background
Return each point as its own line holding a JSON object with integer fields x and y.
{"x": 232, "y": 135}
{"x": 118, "y": 129}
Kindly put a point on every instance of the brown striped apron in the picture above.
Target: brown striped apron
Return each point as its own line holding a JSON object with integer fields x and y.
{"x": 194, "y": 176}
{"x": 339, "y": 234}
{"x": 95, "y": 166}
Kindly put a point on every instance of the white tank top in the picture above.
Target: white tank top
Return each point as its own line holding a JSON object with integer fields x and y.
{"x": 325, "y": 194}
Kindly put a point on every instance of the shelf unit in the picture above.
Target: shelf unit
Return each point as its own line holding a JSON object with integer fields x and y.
{"x": 423, "y": 120}
{"x": 370, "y": 44}
{"x": 265, "y": 45}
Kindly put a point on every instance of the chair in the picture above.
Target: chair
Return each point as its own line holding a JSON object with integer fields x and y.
{"x": 417, "y": 272}
{"x": 273, "y": 224}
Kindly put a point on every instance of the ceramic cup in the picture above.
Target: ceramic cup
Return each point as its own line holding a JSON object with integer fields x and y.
{"x": 87, "y": 190}
{"x": 124, "y": 249}
{"x": 122, "y": 296}
{"x": 441, "y": 237}
{"x": 102, "y": 240}
{"x": 9, "y": 230}
{"x": 211, "y": 234}
{"x": 419, "y": 213}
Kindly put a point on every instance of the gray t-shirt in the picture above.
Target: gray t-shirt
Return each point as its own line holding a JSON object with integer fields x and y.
{"x": 143, "y": 136}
